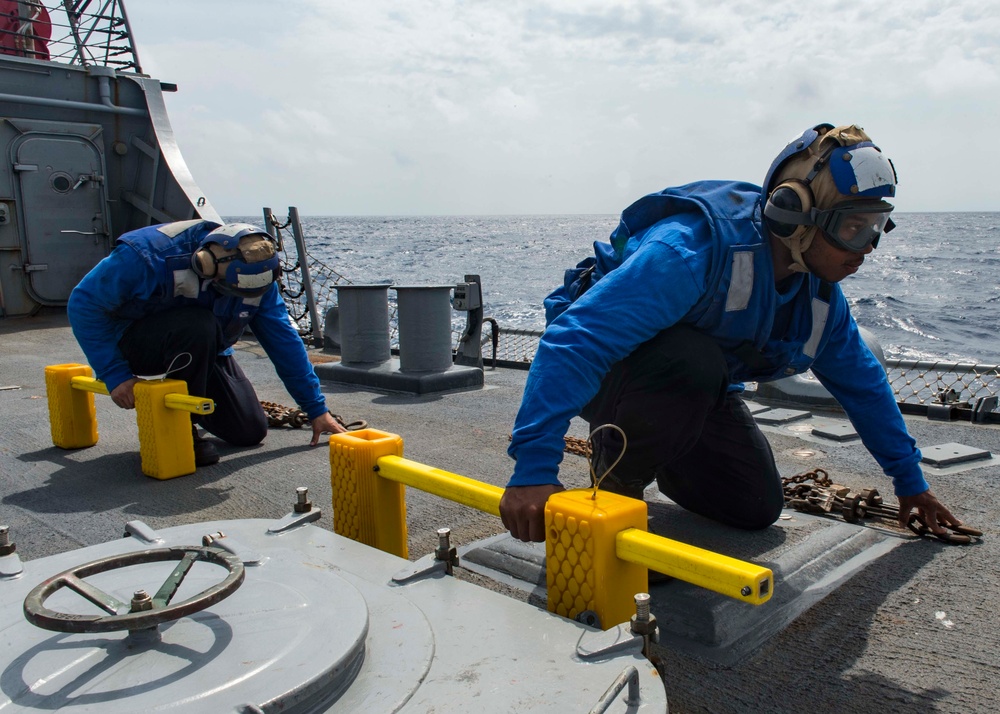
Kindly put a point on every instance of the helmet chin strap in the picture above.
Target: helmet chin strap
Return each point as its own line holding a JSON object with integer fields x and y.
{"x": 798, "y": 246}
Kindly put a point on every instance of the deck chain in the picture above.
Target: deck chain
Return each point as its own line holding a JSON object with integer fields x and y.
{"x": 280, "y": 415}
{"x": 815, "y": 492}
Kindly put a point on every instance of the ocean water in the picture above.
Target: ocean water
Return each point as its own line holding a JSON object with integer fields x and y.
{"x": 930, "y": 291}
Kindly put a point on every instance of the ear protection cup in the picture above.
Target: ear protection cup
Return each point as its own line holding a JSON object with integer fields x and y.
{"x": 204, "y": 263}
{"x": 793, "y": 196}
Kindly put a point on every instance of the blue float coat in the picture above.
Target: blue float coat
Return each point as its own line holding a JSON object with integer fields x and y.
{"x": 697, "y": 255}
{"x": 149, "y": 271}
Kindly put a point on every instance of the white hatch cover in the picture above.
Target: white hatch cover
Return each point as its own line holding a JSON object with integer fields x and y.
{"x": 289, "y": 639}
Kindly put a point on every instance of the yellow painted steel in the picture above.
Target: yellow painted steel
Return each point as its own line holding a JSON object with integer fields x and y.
{"x": 582, "y": 569}
{"x": 89, "y": 384}
{"x": 72, "y": 416}
{"x": 367, "y": 508}
{"x": 736, "y": 578}
{"x": 188, "y": 403}
{"x": 469, "y": 492}
{"x": 598, "y": 553}
{"x": 166, "y": 446}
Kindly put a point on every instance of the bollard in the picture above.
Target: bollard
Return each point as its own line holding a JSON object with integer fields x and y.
{"x": 582, "y": 569}
{"x": 424, "y": 327}
{"x": 363, "y": 311}
{"x": 366, "y": 508}
{"x": 72, "y": 417}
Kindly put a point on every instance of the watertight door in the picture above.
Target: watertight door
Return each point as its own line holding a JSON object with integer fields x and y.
{"x": 63, "y": 200}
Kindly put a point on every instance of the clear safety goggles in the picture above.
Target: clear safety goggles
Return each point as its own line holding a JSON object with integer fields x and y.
{"x": 855, "y": 225}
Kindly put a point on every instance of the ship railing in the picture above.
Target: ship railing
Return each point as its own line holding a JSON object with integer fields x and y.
{"x": 77, "y": 32}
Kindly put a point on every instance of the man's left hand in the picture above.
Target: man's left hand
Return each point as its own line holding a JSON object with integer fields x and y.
{"x": 324, "y": 424}
{"x": 930, "y": 509}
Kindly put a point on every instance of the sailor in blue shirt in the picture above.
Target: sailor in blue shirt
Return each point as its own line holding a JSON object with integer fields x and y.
{"x": 701, "y": 288}
{"x": 174, "y": 299}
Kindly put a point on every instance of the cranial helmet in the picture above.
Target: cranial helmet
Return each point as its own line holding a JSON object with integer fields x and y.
{"x": 831, "y": 180}
{"x": 239, "y": 258}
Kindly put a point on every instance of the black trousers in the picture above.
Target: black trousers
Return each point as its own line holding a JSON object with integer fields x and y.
{"x": 685, "y": 431}
{"x": 187, "y": 341}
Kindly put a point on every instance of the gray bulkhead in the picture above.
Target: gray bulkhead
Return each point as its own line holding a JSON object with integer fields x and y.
{"x": 88, "y": 154}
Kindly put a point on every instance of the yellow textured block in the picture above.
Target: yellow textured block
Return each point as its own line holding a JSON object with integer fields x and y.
{"x": 165, "y": 442}
{"x": 72, "y": 417}
{"x": 582, "y": 570}
{"x": 367, "y": 508}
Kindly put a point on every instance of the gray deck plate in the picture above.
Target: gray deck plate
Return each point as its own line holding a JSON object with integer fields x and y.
{"x": 840, "y": 431}
{"x": 952, "y": 453}
{"x": 782, "y": 416}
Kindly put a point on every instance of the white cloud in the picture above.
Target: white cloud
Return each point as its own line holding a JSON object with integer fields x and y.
{"x": 544, "y": 105}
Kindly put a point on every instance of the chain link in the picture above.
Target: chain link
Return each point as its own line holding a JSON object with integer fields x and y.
{"x": 279, "y": 415}
{"x": 815, "y": 492}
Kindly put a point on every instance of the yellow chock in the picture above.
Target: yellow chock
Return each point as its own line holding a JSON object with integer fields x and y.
{"x": 72, "y": 417}
{"x": 366, "y": 508}
{"x": 166, "y": 445}
{"x": 582, "y": 569}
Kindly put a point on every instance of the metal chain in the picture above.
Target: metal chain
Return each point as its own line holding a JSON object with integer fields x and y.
{"x": 580, "y": 447}
{"x": 814, "y": 492}
{"x": 279, "y": 415}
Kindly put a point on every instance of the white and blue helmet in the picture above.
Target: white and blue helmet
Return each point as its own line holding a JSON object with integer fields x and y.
{"x": 240, "y": 258}
{"x": 830, "y": 179}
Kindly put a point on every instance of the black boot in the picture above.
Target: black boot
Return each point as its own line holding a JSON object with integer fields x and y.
{"x": 205, "y": 453}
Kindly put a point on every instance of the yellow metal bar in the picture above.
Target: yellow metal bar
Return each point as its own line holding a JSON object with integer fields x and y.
{"x": 467, "y": 491}
{"x": 188, "y": 403}
{"x": 181, "y": 402}
{"x": 736, "y": 578}
{"x": 89, "y": 384}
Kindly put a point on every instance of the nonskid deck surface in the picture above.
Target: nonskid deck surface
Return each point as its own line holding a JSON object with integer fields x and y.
{"x": 915, "y": 629}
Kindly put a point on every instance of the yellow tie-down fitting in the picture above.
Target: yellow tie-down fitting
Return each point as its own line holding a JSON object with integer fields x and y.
{"x": 598, "y": 552}
{"x": 166, "y": 445}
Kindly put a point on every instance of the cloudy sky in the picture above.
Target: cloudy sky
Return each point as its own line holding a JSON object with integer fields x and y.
{"x": 563, "y": 106}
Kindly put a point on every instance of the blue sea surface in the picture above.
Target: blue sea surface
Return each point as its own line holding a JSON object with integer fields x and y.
{"x": 930, "y": 291}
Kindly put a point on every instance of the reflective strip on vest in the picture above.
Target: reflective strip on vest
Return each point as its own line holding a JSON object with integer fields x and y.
{"x": 172, "y": 230}
{"x": 820, "y": 311}
{"x": 740, "y": 282}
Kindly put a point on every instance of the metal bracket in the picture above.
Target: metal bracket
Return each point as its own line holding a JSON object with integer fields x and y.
{"x": 292, "y": 520}
{"x": 941, "y": 412}
{"x": 247, "y": 555}
{"x": 982, "y": 408}
{"x": 426, "y": 566}
{"x": 618, "y": 639}
{"x": 138, "y": 529}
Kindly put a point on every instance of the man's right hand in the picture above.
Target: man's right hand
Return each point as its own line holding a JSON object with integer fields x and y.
{"x": 124, "y": 395}
{"x": 522, "y": 510}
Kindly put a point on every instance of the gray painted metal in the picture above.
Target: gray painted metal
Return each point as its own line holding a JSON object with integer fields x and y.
{"x": 424, "y": 327}
{"x": 363, "y": 312}
{"x": 89, "y": 155}
{"x": 317, "y": 626}
{"x": 952, "y": 453}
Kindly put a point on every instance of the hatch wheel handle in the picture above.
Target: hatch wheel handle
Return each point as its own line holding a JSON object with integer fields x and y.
{"x": 143, "y": 612}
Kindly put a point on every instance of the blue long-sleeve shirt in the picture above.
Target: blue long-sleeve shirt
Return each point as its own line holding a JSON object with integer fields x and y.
{"x": 149, "y": 271}
{"x": 698, "y": 255}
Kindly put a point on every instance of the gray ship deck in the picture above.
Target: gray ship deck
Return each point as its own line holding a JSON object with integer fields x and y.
{"x": 913, "y": 630}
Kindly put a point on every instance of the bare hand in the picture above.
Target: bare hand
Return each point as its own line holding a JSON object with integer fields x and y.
{"x": 931, "y": 510}
{"x": 522, "y": 510}
{"x": 124, "y": 394}
{"x": 324, "y": 424}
